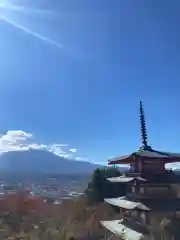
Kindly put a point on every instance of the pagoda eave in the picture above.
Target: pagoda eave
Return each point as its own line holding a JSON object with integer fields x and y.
{"x": 121, "y": 228}
{"x": 121, "y": 161}
{"x": 131, "y": 160}
{"x": 124, "y": 202}
{"x": 126, "y": 179}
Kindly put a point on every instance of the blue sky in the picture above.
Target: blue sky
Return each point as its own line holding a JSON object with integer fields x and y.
{"x": 74, "y": 72}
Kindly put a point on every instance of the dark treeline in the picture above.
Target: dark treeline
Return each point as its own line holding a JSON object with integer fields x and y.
{"x": 99, "y": 187}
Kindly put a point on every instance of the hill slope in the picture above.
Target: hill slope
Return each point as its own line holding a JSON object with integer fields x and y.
{"x": 39, "y": 161}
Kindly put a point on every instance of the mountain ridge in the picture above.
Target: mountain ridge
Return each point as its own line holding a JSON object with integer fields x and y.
{"x": 41, "y": 161}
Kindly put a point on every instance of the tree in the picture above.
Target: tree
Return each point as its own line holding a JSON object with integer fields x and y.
{"x": 100, "y": 188}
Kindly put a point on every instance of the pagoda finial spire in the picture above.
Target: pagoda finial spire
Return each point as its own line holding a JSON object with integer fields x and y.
{"x": 143, "y": 127}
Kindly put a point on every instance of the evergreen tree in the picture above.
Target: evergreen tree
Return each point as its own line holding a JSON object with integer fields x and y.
{"x": 100, "y": 188}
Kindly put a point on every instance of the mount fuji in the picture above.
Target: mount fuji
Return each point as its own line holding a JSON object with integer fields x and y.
{"x": 42, "y": 162}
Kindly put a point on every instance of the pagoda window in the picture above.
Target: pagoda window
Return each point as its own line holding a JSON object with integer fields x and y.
{"x": 139, "y": 166}
{"x": 142, "y": 190}
{"x": 147, "y": 218}
{"x": 134, "y": 214}
{"x": 158, "y": 190}
{"x": 127, "y": 213}
{"x": 178, "y": 214}
{"x": 133, "y": 189}
{"x": 132, "y": 168}
{"x": 122, "y": 211}
{"x": 143, "y": 217}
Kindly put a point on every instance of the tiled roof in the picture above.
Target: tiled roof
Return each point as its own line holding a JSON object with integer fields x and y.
{"x": 130, "y": 230}
{"x": 149, "y": 153}
{"x": 145, "y": 204}
{"x": 126, "y": 203}
{"x": 120, "y": 157}
{"x": 125, "y": 179}
{"x": 156, "y": 154}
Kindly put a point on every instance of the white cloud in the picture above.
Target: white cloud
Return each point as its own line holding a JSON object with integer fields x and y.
{"x": 58, "y": 149}
{"x": 173, "y": 166}
{"x": 61, "y": 145}
{"x": 14, "y": 136}
{"x": 73, "y": 150}
{"x": 14, "y": 140}
{"x": 81, "y": 159}
{"x": 18, "y": 140}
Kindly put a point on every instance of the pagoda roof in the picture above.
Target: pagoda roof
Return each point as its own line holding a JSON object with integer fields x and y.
{"x": 125, "y": 179}
{"x": 130, "y": 229}
{"x": 146, "y": 153}
{"x": 145, "y": 204}
{"x": 126, "y": 203}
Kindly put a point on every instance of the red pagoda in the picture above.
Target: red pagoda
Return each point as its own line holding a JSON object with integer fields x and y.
{"x": 151, "y": 205}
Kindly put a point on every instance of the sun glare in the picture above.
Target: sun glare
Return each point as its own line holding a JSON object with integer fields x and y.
{"x": 7, "y": 15}
{"x": 7, "y": 7}
{"x": 4, "y": 3}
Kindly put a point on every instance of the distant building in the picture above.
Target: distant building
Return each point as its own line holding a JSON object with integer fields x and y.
{"x": 151, "y": 207}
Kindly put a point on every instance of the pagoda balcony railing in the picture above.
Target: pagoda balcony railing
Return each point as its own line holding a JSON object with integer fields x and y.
{"x": 163, "y": 179}
{"x": 134, "y": 174}
{"x": 131, "y": 221}
{"x": 167, "y": 176}
{"x": 151, "y": 195}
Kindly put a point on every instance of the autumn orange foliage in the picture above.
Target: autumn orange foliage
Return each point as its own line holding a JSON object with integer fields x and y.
{"x": 73, "y": 217}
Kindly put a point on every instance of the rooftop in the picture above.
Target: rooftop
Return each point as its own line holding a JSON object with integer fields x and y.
{"x": 145, "y": 204}
{"x": 125, "y": 179}
{"x": 150, "y": 153}
{"x": 125, "y": 202}
{"x": 131, "y": 230}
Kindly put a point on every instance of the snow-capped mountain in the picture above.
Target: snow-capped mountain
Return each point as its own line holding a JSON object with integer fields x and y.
{"x": 41, "y": 161}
